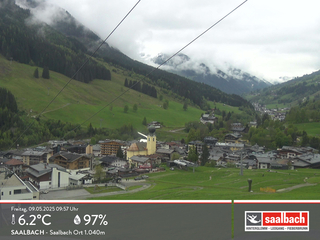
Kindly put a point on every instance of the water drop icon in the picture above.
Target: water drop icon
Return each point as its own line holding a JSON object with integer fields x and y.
{"x": 77, "y": 220}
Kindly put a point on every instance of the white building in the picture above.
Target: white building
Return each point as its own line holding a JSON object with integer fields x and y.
{"x": 48, "y": 176}
{"x": 13, "y": 188}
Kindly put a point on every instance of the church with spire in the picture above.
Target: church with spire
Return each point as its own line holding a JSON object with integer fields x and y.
{"x": 144, "y": 148}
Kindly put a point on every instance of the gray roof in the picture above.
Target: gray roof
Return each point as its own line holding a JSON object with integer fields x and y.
{"x": 298, "y": 163}
{"x": 3, "y": 160}
{"x": 265, "y": 160}
{"x": 96, "y": 147}
{"x": 311, "y": 158}
{"x": 109, "y": 159}
{"x": 219, "y": 144}
{"x": 139, "y": 159}
{"x": 33, "y": 153}
{"x": 70, "y": 157}
{"x": 78, "y": 176}
{"x": 165, "y": 151}
{"x": 196, "y": 143}
{"x": 43, "y": 168}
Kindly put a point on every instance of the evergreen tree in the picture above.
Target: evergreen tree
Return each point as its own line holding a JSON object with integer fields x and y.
{"x": 45, "y": 73}
{"x": 90, "y": 130}
{"x": 205, "y": 155}
{"x": 126, "y": 108}
{"x": 120, "y": 153}
{"x": 192, "y": 155}
{"x": 36, "y": 73}
{"x": 144, "y": 122}
{"x": 185, "y": 106}
{"x": 165, "y": 104}
{"x": 135, "y": 108}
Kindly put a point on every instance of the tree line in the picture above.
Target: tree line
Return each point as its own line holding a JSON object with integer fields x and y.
{"x": 145, "y": 88}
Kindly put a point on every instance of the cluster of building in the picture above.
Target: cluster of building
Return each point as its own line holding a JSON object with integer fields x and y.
{"x": 25, "y": 173}
{"x": 275, "y": 113}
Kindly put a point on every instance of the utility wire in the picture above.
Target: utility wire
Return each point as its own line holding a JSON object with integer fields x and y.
{"x": 200, "y": 35}
{"x": 73, "y": 76}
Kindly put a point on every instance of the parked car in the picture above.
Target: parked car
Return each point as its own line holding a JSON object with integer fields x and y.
{"x": 144, "y": 176}
{"x": 138, "y": 178}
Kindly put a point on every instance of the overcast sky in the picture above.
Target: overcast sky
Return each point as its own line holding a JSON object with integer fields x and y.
{"x": 267, "y": 38}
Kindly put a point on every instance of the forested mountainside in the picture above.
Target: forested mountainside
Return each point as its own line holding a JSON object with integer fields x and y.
{"x": 290, "y": 93}
{"x": 39, "y": 44}
{"x": 79, "y": 36}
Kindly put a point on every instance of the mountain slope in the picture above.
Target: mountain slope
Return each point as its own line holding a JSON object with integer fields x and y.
{"x": 290, "y": 93}
{"x": 34, "y": 42}
{"x": 233, "y": 81}
{"x": 185, "y": 88}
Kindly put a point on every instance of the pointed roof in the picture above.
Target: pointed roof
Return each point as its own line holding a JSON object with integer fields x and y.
{"x": 13, "y": 162}
{"x": 139, "y": 146}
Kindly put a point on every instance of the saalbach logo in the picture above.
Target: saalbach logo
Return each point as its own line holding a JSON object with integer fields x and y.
{"x": 277, "y": 221}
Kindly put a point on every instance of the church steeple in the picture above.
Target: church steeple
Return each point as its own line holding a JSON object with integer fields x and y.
{"x": 151, "y": 140}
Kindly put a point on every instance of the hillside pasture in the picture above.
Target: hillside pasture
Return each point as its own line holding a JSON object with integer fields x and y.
{"x": 227, "y": 184}
{"x": 312, "y": 128}
{"x": 79, "y": 101}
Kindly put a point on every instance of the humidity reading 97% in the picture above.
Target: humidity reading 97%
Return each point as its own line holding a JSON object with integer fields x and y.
{"x": 91, "y": 219}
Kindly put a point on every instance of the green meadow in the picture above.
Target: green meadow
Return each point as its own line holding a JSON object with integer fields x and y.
{"x": 313, "y": 128}
{"x": 78, "y": 102}
{"x": 227, "y": 184}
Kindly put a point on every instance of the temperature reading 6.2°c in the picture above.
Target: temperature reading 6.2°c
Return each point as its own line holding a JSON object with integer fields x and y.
{"x": 93, "y": 219}
{"x": 31, "y": 219}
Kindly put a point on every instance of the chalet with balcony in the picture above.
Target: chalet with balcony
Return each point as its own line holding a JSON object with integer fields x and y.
{"x": 198, "y": 145}
{"x": 292, "y": 152}
{"x": 113, "y": 161}
{"x": 207, "y": 118}
{"x": 232, "y": 138}
{"x": 32, "y": 157}
{"x": 71, "y": 161}
{"x": 238, "y": 128}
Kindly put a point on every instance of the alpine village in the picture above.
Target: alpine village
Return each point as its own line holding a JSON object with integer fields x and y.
{"x": 122, "y": 130}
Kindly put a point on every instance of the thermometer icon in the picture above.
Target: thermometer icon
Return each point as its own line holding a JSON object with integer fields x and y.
{"x": 13, "y": 221}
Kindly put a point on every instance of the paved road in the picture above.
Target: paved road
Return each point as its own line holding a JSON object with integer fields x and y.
{"x": 82, "y": 194}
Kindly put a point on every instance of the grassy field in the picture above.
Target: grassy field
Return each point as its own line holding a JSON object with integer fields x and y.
{"x": 94, "y": 190}
{"x": 313, "y": 128}
{"x": 275, "y": 105}
{"x": 225, "y": 107}
{"x": 78, "y": 101}
{"x": 227, "y": 184}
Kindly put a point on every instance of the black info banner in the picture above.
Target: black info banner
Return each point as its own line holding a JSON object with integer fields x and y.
{"x": 116, "y": 220}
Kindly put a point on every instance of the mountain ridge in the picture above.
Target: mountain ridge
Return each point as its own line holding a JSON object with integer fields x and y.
{"x": 233, "y": 81}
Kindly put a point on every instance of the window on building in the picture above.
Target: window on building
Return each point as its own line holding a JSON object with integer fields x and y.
{"x": 17, "y": 191}
{"x": 9, "y": 192}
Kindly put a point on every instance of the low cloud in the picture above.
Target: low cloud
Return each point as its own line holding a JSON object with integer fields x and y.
{"x": 267, "y": 38}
